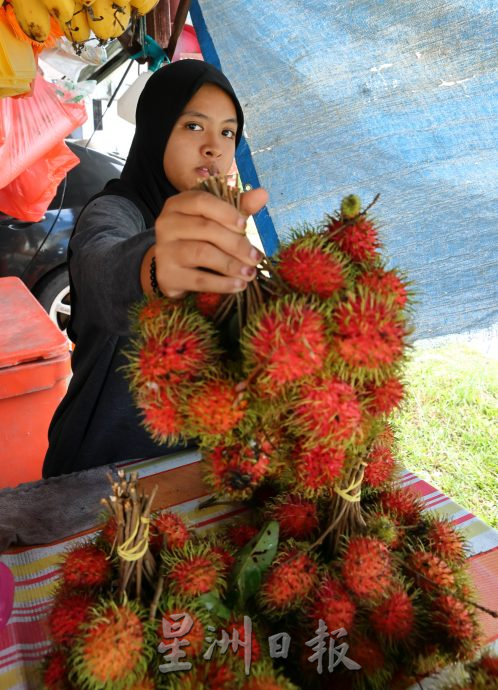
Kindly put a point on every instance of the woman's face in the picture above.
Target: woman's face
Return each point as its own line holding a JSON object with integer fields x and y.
{"x": 202, "y": 141}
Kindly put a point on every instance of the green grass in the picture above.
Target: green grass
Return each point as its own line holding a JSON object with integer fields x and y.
{"x": 447, "y": 428}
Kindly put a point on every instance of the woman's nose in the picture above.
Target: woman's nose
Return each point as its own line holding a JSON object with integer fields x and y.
{"x": 211, "y": 150}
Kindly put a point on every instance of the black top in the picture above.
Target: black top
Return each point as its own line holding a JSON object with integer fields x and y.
{"x": 97, "y": 423}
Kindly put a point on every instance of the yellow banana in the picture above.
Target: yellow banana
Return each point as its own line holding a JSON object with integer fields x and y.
{"x": 62, "y": 10}
{"x": 109, "y": 18}
{"x": 143, "y": 6}
{"x": 77, "y": 29}
{"x": 33, "y": 18}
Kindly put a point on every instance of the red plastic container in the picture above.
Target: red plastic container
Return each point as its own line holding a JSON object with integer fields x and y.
{"x": 35, "y": 367}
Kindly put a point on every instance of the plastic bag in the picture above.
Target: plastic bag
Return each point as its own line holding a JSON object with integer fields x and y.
{"x": 29, "y": 195}
{"x": 31, "y": 127}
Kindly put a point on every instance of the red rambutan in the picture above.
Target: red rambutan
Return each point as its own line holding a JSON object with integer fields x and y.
{"x": 431, "y": 572}
{"x": 357, "y": 238}
{"x": 152, "y": 310}
{"x": 317, "y": 469}
{"x": 213, "y": 408}
{"x": 287, "y": 342}
{"x": 370, "y": 334}
{"x": 289, "y": 581}
{"x": 240, "y": 534}
{"x": 85, "y": 566}
{"x": 328, "y": 409}
{"x": 225, "y": 557}
{"x": 453, "y": 616}
{"x": 237, "y": 470}
{"x": 309, "y": 264}
{"x": 380, "y": 467}
{"x": 108, "y": 531}
{"x": 445, "y": 541}
{"x": 194, "y": 573}
{"x": 114, "y": 650}
{"x": 174, "y": 357}
{"x": 385, "y": 283}
{"x": 162, "y": 418}
{"x": 394, "y": 617}
{"x": 368, "y": 654}
{"x": 208, "y": 302}
{"x": 168, "y": 529}
{"x": 195, "y": 635}
{"x": 55, "y": 671}
{"x": 67, "y": 616}
{"x": 367, "y": 568}
{"x": 403, "y": 504}
{"x": 333, "y": 605}
{"x": 265, "y": 677}
{"x": 383, "y": 399}
{"x": 489, "y": 664}
{"x": 297, "y": 517}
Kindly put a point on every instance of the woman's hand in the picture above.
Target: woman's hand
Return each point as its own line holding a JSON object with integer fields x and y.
{"x": 195, "y": 231}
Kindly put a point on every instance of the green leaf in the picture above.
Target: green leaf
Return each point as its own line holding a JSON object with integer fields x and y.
{"x": 252, "y": 562}
{"x": 212, "y": 603}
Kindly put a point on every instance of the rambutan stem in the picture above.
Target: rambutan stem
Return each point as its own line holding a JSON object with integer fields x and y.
{"x": 157, "y": 596}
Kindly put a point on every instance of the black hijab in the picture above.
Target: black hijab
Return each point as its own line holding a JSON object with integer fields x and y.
{"x": 165, "y": 95}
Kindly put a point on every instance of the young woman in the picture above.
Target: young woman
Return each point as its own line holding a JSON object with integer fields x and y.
{"x": 189, "y": 123}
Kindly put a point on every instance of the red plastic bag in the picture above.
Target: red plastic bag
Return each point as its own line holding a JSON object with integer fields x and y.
{"x": 29, "y": 195}
{"x": 31, "y": 127}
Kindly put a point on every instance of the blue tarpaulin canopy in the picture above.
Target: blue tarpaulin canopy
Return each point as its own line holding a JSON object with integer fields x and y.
{"x": 367, "y": 97}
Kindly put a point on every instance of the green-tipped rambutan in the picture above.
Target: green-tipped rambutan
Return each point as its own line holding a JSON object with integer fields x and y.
{"x": 210, "y": 675}
{"x": 85, "y": 566}
{"x": 367, "y": 568}
{"x": 317, "y": 469}
{"x": 311, "y": 265}
{"x": 385, "y": 283}
{"x": 328, "y": 410}
{"x": 193, "y": 571}
{"x": 370, "y": 333}
{"x": 213, "y": 408}
{"x": 264, "y": 677}
{"x": 454, "y": 617}
{"x": 430, "y": 572}
{"x": 297, "y": 516}
{"x": 161, "y": 414}
{"x": 240, "y": 534}
{"x": 384, "y": 398}
{"x": 170, "y": 606}
{"x": 238, "y": 469}
{"x": 168, "y": 530}
{"x": 403, "y": 504}
{"x": 225, "y": 557}
{"x": 445, "y": 541}
{"x": 333, "y": 605}
{"x": 208, "y": 302}
{"x": 286, "y": 342}
{"x": 289, "y": 582}
{"x": 394, "y": 617}
{"x": 358, "y": 238}
{"x": 68, "y": 614}
{"x": 489, "y": 664}
{"x": 380, "y": 468}
{"x": 55, "y": 671}
{"x": 368, "y": 654}
{"x": 115, "y": 649}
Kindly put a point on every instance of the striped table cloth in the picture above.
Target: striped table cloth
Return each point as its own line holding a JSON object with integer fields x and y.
{"x": 24, "y": 641}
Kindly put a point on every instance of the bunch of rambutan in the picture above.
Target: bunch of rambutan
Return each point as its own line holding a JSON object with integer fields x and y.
{"x": 288, "y": 390}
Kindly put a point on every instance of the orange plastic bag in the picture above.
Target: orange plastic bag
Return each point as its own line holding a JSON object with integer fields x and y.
{"x": 31, "y": 127}
{"x": 29, "y": 195}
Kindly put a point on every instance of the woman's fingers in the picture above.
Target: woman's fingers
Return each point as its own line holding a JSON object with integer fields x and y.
{"x": 197, "y": 254}
{"x": 181, "y": 280}
{"x": 253, "y": 201}
{"x": 197, "y": 205}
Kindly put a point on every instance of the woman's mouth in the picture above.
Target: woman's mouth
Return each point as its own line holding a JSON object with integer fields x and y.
{"x": 206, "y": 171}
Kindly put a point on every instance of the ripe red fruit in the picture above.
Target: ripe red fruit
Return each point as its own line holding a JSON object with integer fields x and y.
{"x": 380, "y": 467}
{"x": 385, "y": 283}
{"x": 394, "y": 617}
{"x": 67, "y": 615}
{"x": 367, "y": 569}
{"x": 237, "y": 470}
{"x": 208, "y": 302}
{"x": 328, "y": 409}
{"x": 297, "y": 517}
{"x": 402, "y": 504}
{"x": 383, "y": 399}
{"x": 333, "y": 605}
{"x": 194, "y": 574}
{"x": 356, "y": 238}
{"x": 309, "y": 266}
{"x": 446, "y": 542}
{"x": 161, "y": 415}
{"x": 214, "y": 408}
{"x": 170, "y": 526}
{"x": 317, "y": 469}
{"x": 290, "y": 580}
{"x": 454, "y": 617}
{"x": 431, "y": 572}
{"x": 85, "y": 566}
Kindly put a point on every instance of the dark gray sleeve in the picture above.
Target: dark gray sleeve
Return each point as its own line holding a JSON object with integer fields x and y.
{"x": 107, "y": 249}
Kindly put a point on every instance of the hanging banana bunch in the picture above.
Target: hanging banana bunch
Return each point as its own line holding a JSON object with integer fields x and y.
{"x": 77, "y": 29}
{"x": 109, "y": 18}
{"x": 33, "y": 18}
{"x": 143, "y": 6}
{"x": 62, "y": 10}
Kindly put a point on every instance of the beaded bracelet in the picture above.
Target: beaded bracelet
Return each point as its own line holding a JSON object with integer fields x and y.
{"x": 153, "y": 278}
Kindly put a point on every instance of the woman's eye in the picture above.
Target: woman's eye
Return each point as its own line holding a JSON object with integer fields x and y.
{"x": 193, "y": 126}
{"x": 228, "y": 133}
